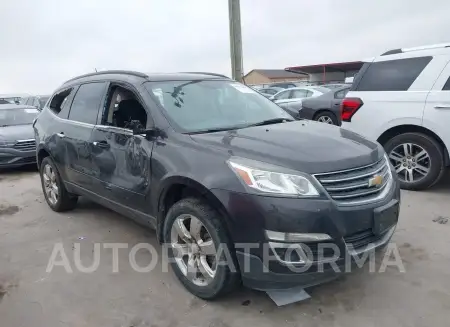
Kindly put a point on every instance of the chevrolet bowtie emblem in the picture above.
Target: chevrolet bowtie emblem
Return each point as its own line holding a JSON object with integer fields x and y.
{"x": 375, "y": 181}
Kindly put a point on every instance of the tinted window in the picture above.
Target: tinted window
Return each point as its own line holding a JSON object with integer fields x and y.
{"x": 447, "y": 85}
{"x": 341, "y": 94}
{"x": 309, "y": 94}
{"x": 392, "y": 75}
{"x": 86, "y": 103}
{"x": 59, "y": 100}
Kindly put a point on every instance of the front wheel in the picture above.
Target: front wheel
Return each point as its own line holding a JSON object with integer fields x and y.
{"x": 417, "y": 158}
{"x": 200, "y": 250}
{"x": 55, "y": 192}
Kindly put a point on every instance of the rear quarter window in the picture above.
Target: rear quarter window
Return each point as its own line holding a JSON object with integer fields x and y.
{"x": 391, "y": 75}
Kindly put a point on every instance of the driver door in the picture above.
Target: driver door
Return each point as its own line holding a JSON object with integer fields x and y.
{"x": 120, "y": 159}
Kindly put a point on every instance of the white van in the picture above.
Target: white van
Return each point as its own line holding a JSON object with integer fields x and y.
{"x": 402, "y": 100}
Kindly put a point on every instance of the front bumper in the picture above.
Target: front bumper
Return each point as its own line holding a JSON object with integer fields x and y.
{"x": 350, "y": 229}
{"x": 10, "y": 157}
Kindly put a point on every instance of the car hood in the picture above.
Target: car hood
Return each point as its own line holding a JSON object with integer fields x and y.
{"x": 17, "y": 132}
{"x": 305, "y": 146}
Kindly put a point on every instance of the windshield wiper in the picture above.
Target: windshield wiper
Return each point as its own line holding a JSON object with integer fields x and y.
{"x": 213, "y": 130}
{"x": 271, "y": 121}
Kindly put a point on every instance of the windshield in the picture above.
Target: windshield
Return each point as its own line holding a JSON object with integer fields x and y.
{"x": 203, "y": 105}
{"x": 11, "y": 117}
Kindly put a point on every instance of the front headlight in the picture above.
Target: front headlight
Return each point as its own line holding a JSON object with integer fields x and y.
{"x": 273, "y": 182}
{"x": 7, "y": 144}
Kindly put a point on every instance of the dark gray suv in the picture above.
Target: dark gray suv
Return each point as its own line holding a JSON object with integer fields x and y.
{"x": 211, "y": 165}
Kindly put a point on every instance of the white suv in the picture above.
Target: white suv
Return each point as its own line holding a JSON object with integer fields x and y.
{"x": 402, "y": 100}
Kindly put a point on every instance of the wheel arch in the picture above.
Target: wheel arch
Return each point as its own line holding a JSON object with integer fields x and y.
{"x": 42, "y": 152}
{"x": 178, "y": 187}
{"x": 321, "y": 111}
{"x": 401, "y": 129}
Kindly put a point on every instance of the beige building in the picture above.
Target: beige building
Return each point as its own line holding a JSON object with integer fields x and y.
{"x": 264, "y": 76}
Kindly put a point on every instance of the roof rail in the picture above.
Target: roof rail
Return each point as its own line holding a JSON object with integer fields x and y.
{"x": 423, "y": 47}
{"x": 206, "y": 73}
{"x": 104, "y": 72}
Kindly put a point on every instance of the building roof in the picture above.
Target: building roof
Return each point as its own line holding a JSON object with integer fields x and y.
{"x": 329, "y": 68}
{"x": 276, "y": 73}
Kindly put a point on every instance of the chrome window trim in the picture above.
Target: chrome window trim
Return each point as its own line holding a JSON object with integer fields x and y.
{"x": 351, "y": 169}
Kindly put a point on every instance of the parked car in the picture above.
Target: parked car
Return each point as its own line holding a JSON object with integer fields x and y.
{"x": 284, "y": 85}
{"x": 37, "y": 101}
{"x": 17, "y": 144}
{"x": 402, "y": 100}
{"x": 212, "y": 164}
{"x": 334, "y": 86}
{"x": 269, "y": 91}
{"x": 11, "y": 98}
{"x": 325, "y": 108}
{"x": 291, "y": 99}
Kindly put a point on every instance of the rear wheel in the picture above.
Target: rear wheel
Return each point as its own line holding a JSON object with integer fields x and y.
{"x": 197, "y": 248}
{"x": 327, "y": 117}
{"x": 55, "y": 192}
{"x": 417, "y": 158}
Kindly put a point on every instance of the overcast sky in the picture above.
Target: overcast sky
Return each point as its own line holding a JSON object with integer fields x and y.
{"x": 45, "y": 42}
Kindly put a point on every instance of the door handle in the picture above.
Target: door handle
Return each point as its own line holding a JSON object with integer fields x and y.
{"x": 101, "y": 144}
{"x": 61, "y": 134}
{"x": 442, "y": 106}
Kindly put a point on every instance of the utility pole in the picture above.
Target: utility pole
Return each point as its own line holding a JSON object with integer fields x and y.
{"x": 234, "y": 11}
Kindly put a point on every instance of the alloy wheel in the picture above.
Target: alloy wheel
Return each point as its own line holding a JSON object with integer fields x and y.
{"x": 193, "y": 249}
{"x": 325, "y": 119}
{"x": 411, "y": 162}
{"x": 50, "y": 184}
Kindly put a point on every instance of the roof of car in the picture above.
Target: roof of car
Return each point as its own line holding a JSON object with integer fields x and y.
{"x": 313, "y": 87}
{"x": 15, "y": 106}
{"x": 133, "y": 76}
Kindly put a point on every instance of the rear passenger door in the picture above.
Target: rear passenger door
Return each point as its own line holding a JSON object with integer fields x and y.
{"x": 76, "y": 133}
{"x": 436, "y": 116}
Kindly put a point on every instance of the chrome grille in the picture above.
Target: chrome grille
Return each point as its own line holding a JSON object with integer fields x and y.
{"x": 352, "y": 186}
{"x": 25, "y": 145}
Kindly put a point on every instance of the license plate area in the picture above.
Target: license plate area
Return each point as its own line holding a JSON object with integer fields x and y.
{"x": 385, "y": 217}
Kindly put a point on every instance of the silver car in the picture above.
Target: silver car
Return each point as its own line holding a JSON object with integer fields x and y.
{"x": 17, "y": 143}
{"x": 293, "y": 97}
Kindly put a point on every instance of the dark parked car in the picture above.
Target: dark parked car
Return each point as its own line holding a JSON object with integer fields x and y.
{"x": 215, "y": 167}
{"x": 324, "y": 108}
{"x": 17, "y": 143}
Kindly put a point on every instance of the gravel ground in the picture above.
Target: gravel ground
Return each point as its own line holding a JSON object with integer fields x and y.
{"x": 29, "y": 296}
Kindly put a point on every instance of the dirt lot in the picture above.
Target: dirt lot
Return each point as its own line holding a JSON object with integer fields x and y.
{"x": 31, "y": 297}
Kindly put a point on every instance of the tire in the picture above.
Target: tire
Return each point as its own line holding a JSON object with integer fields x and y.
{"x": 327, "y": 117}
{"x": 64, "y": 201}
{"x": 226, "y": 276}
{"x": 435, "y": 163}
